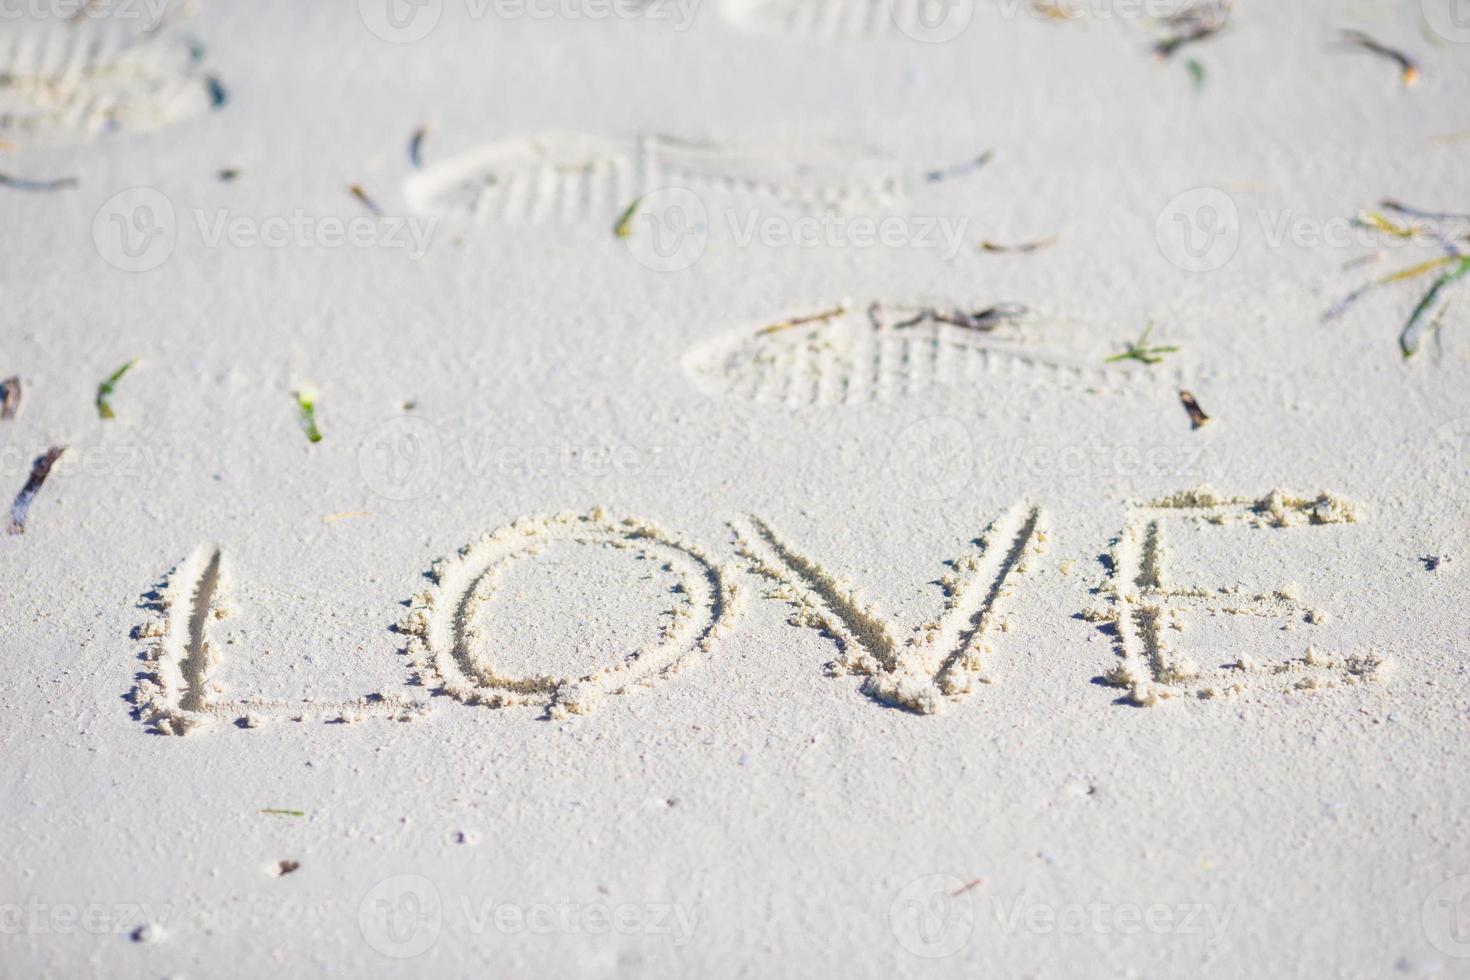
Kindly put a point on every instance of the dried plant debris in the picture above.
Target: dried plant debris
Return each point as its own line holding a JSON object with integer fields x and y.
{"x": 16, "y": 522}
{"x": 228, "y": 174}
{"x": 961, "y": 169}
{"x": 306, "y": 397}
{"x": 9, "y": 397}
{"x": 36, "y": 186}
{"x": 106, "y": 388}
{"x": 1196, "y": 23}
{"x": 1438, "y": 217}
{"x": 218, "y": 96}
{"x": 283, "y": 813}
{"x": 800, "y": 321}
{"x": 1444, "y": 230}
{"x": 356, "y": 191}
{"x": 1408, "y": 67}
{"x": 1052, "y": 10}
{"x": 416, "y": 147}
{"x": 1196, "y": 72}
{"x": 1197, "y": 417}
{"x": 984, "y": 320}
{"x": 1023, "y": 248}
{"x": 1141, "y": 351}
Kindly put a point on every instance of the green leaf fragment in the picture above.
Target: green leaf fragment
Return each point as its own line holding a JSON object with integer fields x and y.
{"x": 105, "y": 389}
{"x": 1141, "y": 352}
{"x": 624, "y": 226}
{"x": 1412, "y": 333}
{"x": 306, "y": 401}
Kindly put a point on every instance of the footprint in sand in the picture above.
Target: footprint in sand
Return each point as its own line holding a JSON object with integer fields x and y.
{"x": 72, "y": 82}
{"x": 855, "y": 356}
{"x": 581, "y": 177}
{"x": 930, "y": 21}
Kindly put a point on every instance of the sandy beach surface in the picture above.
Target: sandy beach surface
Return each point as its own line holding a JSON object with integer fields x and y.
{"x": 653, "y": 490}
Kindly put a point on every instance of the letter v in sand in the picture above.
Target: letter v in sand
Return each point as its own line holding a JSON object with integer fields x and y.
{"x": 942, "y": 658}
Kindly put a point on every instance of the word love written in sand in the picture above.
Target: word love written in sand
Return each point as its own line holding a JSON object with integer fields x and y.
{"x": 940, "y": 661}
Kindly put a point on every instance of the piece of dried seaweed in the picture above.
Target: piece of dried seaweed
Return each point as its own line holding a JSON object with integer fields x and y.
{"x": 1408, "y": 68}
{"x": 1197, "y": 416}
{"x": 16, "y": 522}
{"x": 10, "y": 393}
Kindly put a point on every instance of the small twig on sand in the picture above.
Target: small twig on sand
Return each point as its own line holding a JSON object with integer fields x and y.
{"x": 16, "y": 522}
{"x": 1193, "y": 25}
{"x": 1197, "y": 416}
{"x": 9, "y": 397}
{"x": 356, "y": 191}
{"x": 37, "y": 186}
{"x": 984, "y": 320}
{"x": 1408, "y": 68}
{"x": 416, "y": 147}
{"x": 960, "y": 170}
{"x": 1024, "y": 248}
{"x": 799, "y": 321}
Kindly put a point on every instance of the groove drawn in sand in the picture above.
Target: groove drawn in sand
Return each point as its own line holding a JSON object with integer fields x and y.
{"x": 879, "y": 354}
{"x": 943, "y": 659}
{"x": 580, "y": 177}
{"x": 74, "y": 82}
{"x": 1144, "y": 608}
{"x": 446, "y": 644}
{"x": 179, "y": 694}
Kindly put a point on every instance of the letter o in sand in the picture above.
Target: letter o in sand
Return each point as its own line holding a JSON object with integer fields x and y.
{"x": 444, "y": 642}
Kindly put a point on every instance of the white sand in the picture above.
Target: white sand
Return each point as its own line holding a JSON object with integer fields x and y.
{"x": 750, "y": 794}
